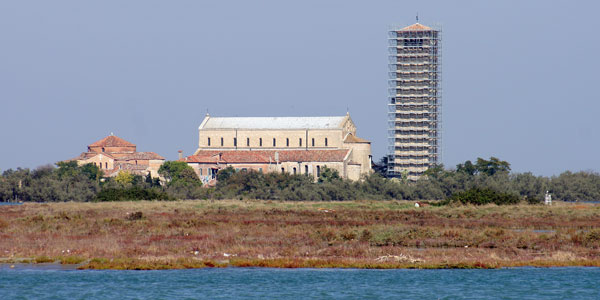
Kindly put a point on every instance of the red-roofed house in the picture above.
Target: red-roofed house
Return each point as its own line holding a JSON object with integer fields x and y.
{"x": 113, "y": 154}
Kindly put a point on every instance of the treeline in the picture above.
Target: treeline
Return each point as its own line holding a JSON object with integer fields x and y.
{"x": 485, "y": 181}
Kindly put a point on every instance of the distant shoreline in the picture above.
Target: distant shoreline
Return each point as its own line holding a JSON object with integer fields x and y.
{"x": 351, "y": 234}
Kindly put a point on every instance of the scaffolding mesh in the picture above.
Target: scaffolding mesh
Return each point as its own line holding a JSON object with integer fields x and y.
{"x": 414, "y": 102}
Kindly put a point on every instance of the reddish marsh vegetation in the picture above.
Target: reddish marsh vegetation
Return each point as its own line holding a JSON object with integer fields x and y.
{"x": 362, "y": 234}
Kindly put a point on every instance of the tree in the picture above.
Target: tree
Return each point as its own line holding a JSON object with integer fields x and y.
{"x": 328, "y": 175}
{"x": 467, "y": 168}
{"x": 224, "y": 174}
{"x": 178, "y": 172}
{"x": 124, "y": 178}
{"x": 435, "y": 171}
{"x": 92, "y": 171}
{"x": 67, "y": 169}
{"x": 381, "y": 167}
{"x": 492, "y": 166}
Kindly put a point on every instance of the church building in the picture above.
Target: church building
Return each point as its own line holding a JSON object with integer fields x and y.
{"x": 113, "y": 154}
{"x": 296, "y": 145}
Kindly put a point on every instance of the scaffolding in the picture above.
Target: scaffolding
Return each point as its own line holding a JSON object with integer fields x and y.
{"x": 414, "y": 102}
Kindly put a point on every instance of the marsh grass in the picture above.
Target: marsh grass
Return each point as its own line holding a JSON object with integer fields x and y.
{"x": 196, "y": 234}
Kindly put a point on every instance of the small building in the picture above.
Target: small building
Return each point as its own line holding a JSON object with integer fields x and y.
{"x": 113, "y": 154}
{"x": 296, "y": 145}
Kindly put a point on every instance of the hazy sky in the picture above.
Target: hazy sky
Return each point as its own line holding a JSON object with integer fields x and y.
{"x": 519, "y": 77}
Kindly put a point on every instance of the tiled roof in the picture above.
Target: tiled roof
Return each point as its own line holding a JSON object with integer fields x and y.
{"x": 354, "y": 139}
{"x": 87, "y": 155}
{"x": 112, "y": 141}
{"x": 272, "y": 122}
{"x": 267, "y": 156}
{"x": 141, "y": 156}
{"x": 415, "y": 26}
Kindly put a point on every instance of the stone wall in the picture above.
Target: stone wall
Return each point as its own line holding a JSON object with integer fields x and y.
{"x": 333, "y": 136}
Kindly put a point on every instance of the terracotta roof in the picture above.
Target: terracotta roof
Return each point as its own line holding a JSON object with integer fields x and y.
{"x": 354, "y": 139}
{"x": 112, "y": 141}
{"x": 87, "y": 155}
{"x": 141, "y": 156}
{"x": 416, "y": 26}
{"x": 266, "y": 156}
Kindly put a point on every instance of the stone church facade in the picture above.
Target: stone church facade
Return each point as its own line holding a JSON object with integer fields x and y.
{"x": 296, "y": 145}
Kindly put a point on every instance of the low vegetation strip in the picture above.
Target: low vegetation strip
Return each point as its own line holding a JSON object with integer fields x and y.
{"x": 358, "y": 234}
{"x": 486, "y": 181}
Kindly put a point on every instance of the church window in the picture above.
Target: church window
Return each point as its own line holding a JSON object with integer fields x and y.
{"x": 287, "y": 142}
{"x": 209, "y": 141}
{"x": 325, "y": 142}
{"x": 300, "y": 142}
{"x": 260, "y": 142}
{"x": 235, "y": 142}
{"x": 313, "y": 142}
{"x": 248, "y": 142}
{"x": 318, "y": 171}
{"x": 294, "y": 171}
{"x": 221, "y": 142}
{"x": 306, "y": 169}
{"x": 274, "y": 142}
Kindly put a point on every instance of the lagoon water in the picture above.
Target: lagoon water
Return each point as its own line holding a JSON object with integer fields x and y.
{"x": 252, "y": 283}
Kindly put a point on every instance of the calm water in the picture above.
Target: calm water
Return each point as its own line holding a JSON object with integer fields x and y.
{"x": 250, "y": 283}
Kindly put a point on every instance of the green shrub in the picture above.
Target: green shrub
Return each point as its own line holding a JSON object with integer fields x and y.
{"x": 479, "y": 196}
{"x": 132, "y": 193}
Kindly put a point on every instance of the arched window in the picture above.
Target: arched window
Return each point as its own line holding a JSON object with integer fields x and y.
{"x": 287, "y": 142}
{"x": 248, "y": 142}
{"x": 221, "y": 142}
{"x": 313, "y": 142}
{"x": 209, "y": 141}
{"x": 318, "y": 171}
{"x": 306, "y": 169}
{"x": 294, "y": 171}
{"x": 282, "y": 170}
{"x": 325, "y": 142}
{"x": 300, "y": 142}
{"x": 235, "y": 142}
{"x": 106, "y": 165}
{"x": 102, "y": 149}
{"x": 260, "y": 142}
{"x": 274, "y": 142}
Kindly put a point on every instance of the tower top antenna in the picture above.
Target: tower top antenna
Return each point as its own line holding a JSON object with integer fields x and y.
{"x": 417, "y": 17}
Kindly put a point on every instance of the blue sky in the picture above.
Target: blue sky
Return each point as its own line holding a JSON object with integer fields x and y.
{"x": 519, "y": 77}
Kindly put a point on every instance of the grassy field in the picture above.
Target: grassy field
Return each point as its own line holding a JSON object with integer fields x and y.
{"x": 360, "y": 234}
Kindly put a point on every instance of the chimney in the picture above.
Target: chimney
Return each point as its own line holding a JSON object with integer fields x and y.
{"x": 180, "y": 154}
